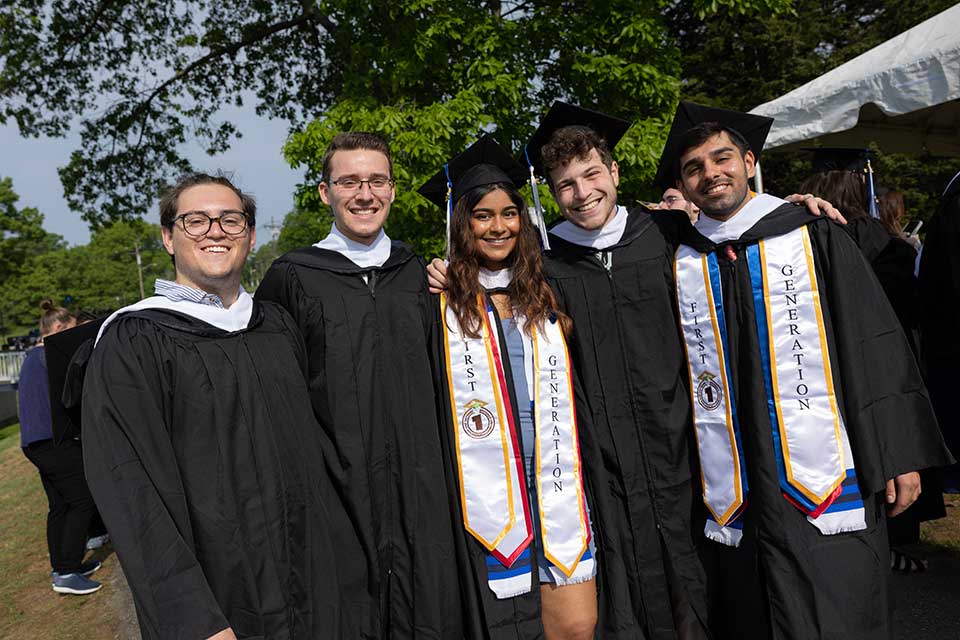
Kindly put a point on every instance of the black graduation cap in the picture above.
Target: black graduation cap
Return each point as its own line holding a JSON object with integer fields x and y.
{"x": 562, "y": 114}
{"x": 848, "y": 159}
{"x": 752, "y": 128}
{"x": 483, "y": 162}
{"x": 62, "y": 374}
{"x": 854, "y": 160}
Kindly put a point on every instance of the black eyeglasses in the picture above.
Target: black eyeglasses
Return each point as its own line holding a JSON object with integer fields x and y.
{"x": 378, "y": 183}
{"x": 197, "y": 224}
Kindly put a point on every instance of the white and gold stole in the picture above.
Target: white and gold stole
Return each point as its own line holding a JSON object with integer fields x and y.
{"x": 489, "y": 460}
{"x": 814, "y": 461}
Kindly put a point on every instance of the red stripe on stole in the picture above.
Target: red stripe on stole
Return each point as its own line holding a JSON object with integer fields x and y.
{"x": 823, "y": 506}
{"x": 515, "y": 442}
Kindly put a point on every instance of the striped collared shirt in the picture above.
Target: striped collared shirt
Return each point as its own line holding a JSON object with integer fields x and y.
{"x": 175, "y": 291}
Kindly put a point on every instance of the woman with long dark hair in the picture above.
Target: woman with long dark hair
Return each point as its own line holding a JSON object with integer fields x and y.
{"x": 509, "y": 395}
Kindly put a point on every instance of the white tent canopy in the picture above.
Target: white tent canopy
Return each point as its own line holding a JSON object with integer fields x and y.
{"x": 903, "y": 94}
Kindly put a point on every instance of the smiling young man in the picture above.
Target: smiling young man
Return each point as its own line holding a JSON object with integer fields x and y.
{"x": 360, "y": 301}
{"x": 801, "y": 383}
{"x": 202, "y": 452}
{"x": 609, "y": 266}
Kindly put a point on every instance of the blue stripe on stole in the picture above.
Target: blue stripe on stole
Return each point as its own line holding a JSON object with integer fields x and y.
{"x": 522, "y": 559}
{"x": 849, "y": 497}
{"x": 713, "y": 268}
{"x": 763, "y": 335}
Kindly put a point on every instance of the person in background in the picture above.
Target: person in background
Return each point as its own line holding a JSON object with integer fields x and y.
{"x": 673, "y": 199}
{"x": 940, "y": 318}
{"x": 892, "y": 215}
{"x": 71, "y": 507}
{"x": 891, "y": 257}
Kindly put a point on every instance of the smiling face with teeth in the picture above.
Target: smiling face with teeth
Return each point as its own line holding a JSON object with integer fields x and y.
{"x": 586, "y": 190}
{"x": 495, "y": 225}
{"x": 213, "y": 262}
{"x": 358, "y": 213}
{"x": 714, "y": 175}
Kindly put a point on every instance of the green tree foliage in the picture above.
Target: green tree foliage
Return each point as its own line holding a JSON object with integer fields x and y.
{"x": 740, "y": 61}
{"x": 139, "y": 79}
{"x": 496, "y": 67}
{"x": 21, "y": 233}
{"x": 98, "y": 277}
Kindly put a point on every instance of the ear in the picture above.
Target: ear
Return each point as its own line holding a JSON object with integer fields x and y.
{"x": 615, "y": 173}
{"x": 751, "y": 163}
{"x": 167, "y": 236}
{"x": 324, "y": 190}
{"x": 253, "y": 238}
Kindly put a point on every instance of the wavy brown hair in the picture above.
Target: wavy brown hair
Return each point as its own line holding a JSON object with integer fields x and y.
{"x": 892, "y": 211}
{"x": 529, "y": 292}
{"x": 843, "y": 189}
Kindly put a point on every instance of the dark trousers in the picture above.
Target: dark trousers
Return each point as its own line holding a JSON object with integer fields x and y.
{"x": 71, "y": 505}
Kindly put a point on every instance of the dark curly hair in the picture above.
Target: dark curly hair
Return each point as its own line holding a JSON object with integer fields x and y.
{"x": 573, "y": 143}
{"x": 529, "y": 292}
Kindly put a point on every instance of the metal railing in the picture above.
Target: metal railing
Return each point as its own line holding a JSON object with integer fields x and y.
{"x": 10, "y": 363}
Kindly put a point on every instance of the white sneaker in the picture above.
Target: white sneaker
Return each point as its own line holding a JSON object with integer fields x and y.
{"x": 97, "y": 541}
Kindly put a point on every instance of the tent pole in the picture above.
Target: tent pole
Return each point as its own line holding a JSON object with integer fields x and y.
{"x": 758, "y": 179}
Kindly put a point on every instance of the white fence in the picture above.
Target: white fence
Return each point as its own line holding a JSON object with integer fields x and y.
{"x": 10, "y": 362}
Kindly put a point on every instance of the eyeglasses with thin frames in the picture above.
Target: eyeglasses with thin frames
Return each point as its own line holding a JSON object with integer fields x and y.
{"x": 197, "y": 224}
{"x": 377, "y": 183}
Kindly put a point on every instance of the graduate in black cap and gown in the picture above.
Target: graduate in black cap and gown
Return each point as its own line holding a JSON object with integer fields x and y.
{"x": 610, "y": 267}
{"x": 801, "y": 383}
{"x": 508, "y": 396}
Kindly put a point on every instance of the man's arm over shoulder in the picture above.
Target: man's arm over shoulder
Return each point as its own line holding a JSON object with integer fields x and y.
{"x": 132, "y": 472}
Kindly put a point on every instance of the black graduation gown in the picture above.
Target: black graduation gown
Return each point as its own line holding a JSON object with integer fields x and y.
{"x": 487, "y": 618}
{"x": 786, "y": 580}
{"x": 628, "y": 357}
{"x": 940, "y": 322}
{"x": 205, "y": 461}
{"x": 371, "y": 385}
{"x": 893, "y": 261}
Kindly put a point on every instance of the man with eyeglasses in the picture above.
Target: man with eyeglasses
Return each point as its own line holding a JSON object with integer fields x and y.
{"x": 202, "y": 452}
{"x": 361, "y": 303}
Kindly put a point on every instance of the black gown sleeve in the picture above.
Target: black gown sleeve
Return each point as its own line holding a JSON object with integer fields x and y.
{"x": 890, "y": 420}
{"x": 131, "y": 468}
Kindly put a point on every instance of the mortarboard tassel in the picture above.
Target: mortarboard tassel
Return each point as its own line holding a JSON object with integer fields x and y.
{"x": 446, "y": 170}
{"x": 871, "y": 192}
{"x": 537, "y": 208}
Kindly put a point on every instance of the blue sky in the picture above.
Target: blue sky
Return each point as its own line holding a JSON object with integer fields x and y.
{"x": 255, "y": 159}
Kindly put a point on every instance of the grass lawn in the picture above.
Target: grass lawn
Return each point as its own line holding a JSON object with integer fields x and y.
{"x": 29, "y": 608}
{"x": 945, "y": 532}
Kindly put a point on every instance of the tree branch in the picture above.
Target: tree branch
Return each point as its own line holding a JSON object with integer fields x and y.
{"x": 229, "y": 49}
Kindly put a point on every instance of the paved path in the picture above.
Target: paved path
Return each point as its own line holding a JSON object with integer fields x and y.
{"x": 928, "y": 603}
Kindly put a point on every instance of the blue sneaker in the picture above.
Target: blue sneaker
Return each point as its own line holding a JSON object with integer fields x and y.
{"x": 75, "y": 584}
{"x": 85, "y": 569}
